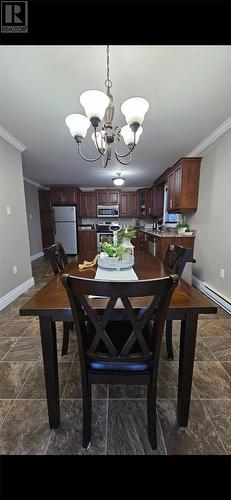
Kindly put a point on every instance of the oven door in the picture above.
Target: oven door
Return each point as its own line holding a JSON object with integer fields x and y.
{"x": 102, "y": 237}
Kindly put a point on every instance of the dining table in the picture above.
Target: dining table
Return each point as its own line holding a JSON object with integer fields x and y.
{"x": 51, "y": 304}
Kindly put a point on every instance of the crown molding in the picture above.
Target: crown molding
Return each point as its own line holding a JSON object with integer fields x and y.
{"x": 11, "y": 139}
{"x": 226, "y": 125}
{"x": 26, "y": 179}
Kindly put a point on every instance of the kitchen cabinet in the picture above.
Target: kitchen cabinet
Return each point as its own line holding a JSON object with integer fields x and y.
{"x": 145, "y": 202}
{"x": 108, "y": 197}
{"x": 87, "y": 206}
{"x": 46, "y": 217}
{"x": 87, "y": 240}
{"x": 128, "y": 204}
{"x": 64, "y": 195}
{"x": 141, "y": 241}
{"x": 162, "y": 244}
{"x": 158, "y": 200}
{"x": 183, "y": 185}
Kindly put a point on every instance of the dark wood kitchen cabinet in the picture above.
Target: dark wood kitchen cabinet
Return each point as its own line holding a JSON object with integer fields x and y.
{"x": 145, "y": 202}
{"x": 183, "y": 185}
{"x": 87, "y": 206}
{"x": 128, "y": 204}
{"x": 46, "y": 217}
{"x": 87, "y": 239}
{"x": 141, "y": 240}
{"x": 63, "y": 195}
{"x": 162, "y": 244}
{"x": 157, "y": 200}
{"x": 108, "y": 196}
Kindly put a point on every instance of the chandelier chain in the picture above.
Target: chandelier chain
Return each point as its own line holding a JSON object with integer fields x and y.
{"x": 108, "y": 82}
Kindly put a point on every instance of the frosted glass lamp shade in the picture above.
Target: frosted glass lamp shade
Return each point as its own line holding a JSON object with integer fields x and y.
{"x": 134, "y": 110}
{"x": 128, "y": 135}
{"x": 77, "y": 124}
{"x": 100, "y": 140}
{"x": 95, "y": 103}
{"x": 118, "y": 181}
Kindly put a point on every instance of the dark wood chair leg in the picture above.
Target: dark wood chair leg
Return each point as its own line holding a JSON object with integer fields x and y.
{"x": 66, "y": 328}
{"x": 168, "y": 333}
{"x": 151, "y": 414}
{"x": 87, "y": 415}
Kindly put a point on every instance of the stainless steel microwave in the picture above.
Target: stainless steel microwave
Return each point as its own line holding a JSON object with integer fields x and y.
{"x": 107, "y": 210}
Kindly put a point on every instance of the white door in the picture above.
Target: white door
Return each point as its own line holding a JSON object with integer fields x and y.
{"x": 62, "y": 214}
{"x": 65, "y": 233}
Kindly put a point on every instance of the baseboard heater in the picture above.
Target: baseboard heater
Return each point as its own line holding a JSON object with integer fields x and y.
{"x": 213, "y": 294}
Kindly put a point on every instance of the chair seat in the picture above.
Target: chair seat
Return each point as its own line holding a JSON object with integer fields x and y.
{"x": 107, "y": 366}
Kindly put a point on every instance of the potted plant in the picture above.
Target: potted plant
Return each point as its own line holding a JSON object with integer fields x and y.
{"x": 115, "y": 256}
{"x": 126, "y": 234}
{"x": 182, "y": 227}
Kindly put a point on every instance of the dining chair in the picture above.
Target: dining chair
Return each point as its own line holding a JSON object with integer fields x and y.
{"x": 174, "y": 261}
{"x": 119, "y": 346}
{"x": 58, "y": 259}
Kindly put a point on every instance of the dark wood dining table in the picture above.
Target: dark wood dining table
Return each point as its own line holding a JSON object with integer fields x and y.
{"x": 51, "y": 304}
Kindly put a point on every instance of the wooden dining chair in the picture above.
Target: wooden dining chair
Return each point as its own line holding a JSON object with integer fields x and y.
{"x": 58, "y": 259}
{"x": 174, "y": 261}
{"x": 119, "y": 346}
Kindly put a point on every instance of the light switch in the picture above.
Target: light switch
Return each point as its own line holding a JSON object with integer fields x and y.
{"x": 8, "y": 211}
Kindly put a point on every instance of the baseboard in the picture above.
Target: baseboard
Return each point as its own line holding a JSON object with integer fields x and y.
{"x": 36, "y": 256}
{"x": 9, "y": 297}
{"x": 213, "y": 294}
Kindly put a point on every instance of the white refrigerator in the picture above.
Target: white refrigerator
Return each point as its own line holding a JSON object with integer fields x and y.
{"x": 65, "y": 228}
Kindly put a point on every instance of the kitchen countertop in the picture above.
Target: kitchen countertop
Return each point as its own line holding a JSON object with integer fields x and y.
{"x": 166, "y": 234}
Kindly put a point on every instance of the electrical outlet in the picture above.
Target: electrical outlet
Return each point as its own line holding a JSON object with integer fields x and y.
{"x": 8, "y": 211}
{"x": 15, "y": 270}
{"x": 222, "y": 273}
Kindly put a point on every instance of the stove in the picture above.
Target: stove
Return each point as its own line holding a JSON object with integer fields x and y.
{"x": 103, "y": 233}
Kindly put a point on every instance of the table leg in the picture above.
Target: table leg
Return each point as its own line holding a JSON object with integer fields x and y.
{"x": 186, "y": 360}
{"x": 50, "y": 362}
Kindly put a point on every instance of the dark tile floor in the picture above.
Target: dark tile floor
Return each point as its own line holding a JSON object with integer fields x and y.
{"x": 119, "y": 413}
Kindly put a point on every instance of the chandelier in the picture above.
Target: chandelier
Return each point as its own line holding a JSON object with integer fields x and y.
{"x": 99, "y": 110}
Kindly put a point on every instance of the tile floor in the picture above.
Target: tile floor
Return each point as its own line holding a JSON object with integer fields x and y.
{"x": 119, "y": 413}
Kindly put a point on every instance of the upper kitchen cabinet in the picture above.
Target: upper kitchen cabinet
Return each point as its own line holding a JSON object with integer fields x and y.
{"x": 183, "y": 185}
{"x": 87, "y": 204}
{"x": 128, "y": 204}
{"x": 108, "y": 197}
{"x": 64, "y": 195}
{"x": 145, "y": 202}
{"x": 158, "y": 200}
{"x": 46, "y": 217}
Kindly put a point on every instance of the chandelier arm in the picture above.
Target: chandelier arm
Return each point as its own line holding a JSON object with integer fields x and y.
{"x": 123, "y": 163}
{"x": 126, "y": 154}
{"x": 107, "y": 160}
{"x": 99, "y": 149}
{"x": 84, "y": 157}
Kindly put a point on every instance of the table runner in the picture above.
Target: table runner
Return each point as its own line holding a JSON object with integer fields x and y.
{"x": 114, "y": 275}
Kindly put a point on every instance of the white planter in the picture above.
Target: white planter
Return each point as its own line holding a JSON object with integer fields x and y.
{"x": 115, "y": 262}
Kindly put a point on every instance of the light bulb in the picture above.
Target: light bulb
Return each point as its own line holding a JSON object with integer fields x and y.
{"x": 134, "y": 110}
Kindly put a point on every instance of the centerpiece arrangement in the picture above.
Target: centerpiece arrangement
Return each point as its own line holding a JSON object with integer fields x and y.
{"x": 120, "y": 253}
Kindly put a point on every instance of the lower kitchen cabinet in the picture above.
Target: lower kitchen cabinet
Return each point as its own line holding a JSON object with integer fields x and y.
{"x": 163, "y": 242}
{"x": 141, "y": 241}
{"x": 87, "y": 240}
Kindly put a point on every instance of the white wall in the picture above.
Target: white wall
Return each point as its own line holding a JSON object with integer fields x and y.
{"x": 33, "y": 218}
{"x": 212, "y": 220}
{"x": 14, "y": 240}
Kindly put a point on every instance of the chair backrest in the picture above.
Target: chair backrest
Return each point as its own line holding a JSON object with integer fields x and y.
{"x": 176, "y": 257}
{"x": 56, "y": 254}
{"x": 101, "y": 345}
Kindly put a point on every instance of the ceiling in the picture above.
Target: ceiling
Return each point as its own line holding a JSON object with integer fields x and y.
{"x": 188, "y": 89}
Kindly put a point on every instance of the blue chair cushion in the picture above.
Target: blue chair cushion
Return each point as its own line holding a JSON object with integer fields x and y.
{"x": 122, "y": 367}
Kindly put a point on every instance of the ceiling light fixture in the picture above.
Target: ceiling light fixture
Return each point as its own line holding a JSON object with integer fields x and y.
{"x": 99, "y": 108}
{"x": 118, "y": 181}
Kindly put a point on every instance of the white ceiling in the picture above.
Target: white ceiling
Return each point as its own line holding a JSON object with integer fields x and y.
{"x": 188, "y": 88}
